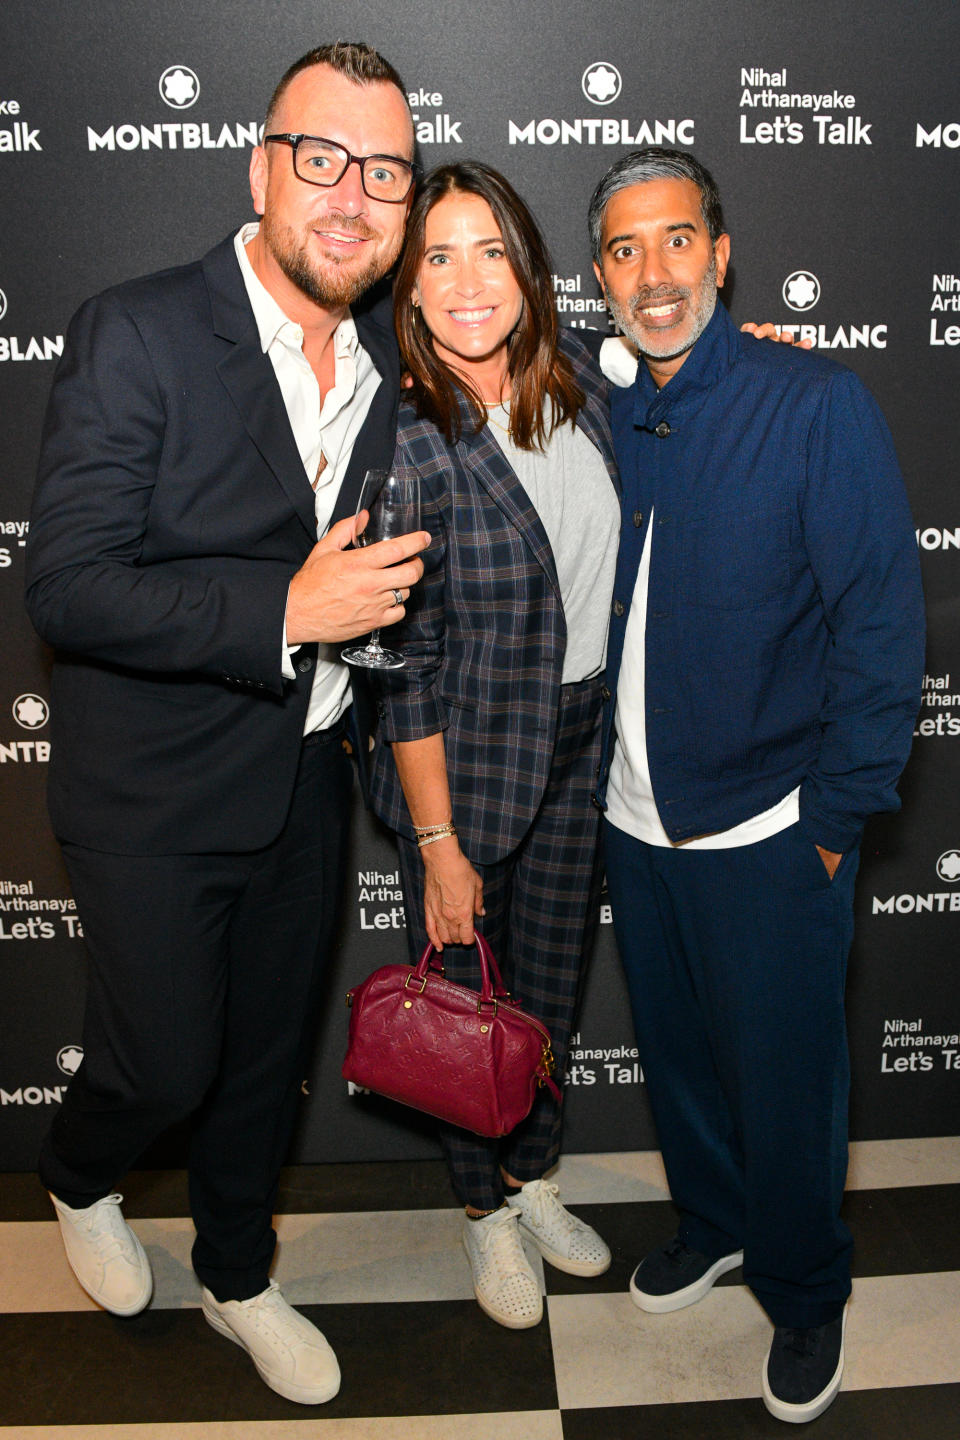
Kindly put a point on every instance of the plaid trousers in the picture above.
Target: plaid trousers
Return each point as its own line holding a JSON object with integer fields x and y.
{"x": 542, "y": 904}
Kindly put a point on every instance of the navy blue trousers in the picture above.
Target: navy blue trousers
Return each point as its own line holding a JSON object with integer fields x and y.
{"x": 736, "y": 963}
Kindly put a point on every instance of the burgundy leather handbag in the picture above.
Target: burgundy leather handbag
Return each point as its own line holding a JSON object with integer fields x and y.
{"x": 472, "y": 1058}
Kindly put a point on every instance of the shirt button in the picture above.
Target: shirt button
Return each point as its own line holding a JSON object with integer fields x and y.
{"x": 662, "y": 430}
{"x": 596, "y": 802}
{"x": 605, "y": 692}
{"x": 304, "y": 665}
{"x": 638, "y": 518}
{"x": 618, "y": 607}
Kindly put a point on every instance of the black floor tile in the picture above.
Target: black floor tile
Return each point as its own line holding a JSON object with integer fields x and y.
{"x": 304, "y": 1190}
{"x": 631, "y": 1229}
{"x": 368, "y": 1185}
{"x": 169, "y": 1366}
{"x": 911, "y": 1230}
{"x": 916, "y": 1412}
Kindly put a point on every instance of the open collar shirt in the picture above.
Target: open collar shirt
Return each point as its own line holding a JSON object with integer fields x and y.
{"x": 328, "y": 430}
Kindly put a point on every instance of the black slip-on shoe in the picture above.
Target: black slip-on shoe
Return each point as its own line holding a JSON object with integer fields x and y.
{"x": 803, "y": 1370}
{"x": 676, "y": 1276}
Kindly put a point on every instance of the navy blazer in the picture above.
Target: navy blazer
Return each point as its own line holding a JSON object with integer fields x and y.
{"x": 484, "y": 634}
{"x": 171, "y": 511}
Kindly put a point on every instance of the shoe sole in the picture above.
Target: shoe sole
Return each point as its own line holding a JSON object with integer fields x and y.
{"x": 563, "y": 1262}
{"x": 504, "y": 1320}
{"x": 690, "y": 1294}
{"x": 800, "y": 1414}
{"x": 301, "y": 1394}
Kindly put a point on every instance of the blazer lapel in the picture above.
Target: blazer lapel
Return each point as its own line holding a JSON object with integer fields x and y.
{"x": 251, "y": 383}
{"x": 489, "y": 464}
{"x": 375, "y": 445}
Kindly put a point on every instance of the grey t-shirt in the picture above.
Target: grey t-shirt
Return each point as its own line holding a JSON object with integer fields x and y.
{"x": 570, "y": 489}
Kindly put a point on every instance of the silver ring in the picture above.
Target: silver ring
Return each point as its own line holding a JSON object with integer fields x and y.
{"x": 397, "y": 598}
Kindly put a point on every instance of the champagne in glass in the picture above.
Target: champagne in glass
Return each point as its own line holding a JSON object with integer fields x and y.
{"x": 392, "y": 503}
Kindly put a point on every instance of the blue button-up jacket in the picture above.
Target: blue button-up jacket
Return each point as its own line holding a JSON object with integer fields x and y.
{"x": 784, "y": 628}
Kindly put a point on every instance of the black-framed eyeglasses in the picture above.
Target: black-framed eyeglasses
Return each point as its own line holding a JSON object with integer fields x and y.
{"x": 324, "y": 162}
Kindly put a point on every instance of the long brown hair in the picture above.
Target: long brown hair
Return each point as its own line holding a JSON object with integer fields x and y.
{"x": 537, "y": 369}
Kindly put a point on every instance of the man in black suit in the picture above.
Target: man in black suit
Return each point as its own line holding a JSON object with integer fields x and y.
{"x": 198, "y": 783}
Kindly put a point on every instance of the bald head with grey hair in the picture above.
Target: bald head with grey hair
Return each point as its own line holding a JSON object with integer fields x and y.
{"x": 654, "y": 162}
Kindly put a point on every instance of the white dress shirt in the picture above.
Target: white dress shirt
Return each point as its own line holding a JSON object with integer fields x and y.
{"x": 329, "y": 429}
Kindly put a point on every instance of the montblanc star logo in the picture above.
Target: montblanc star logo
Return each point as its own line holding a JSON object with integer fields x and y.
{"x": 601, "y": 82}
{"x": 801, "y": 290}
{"x": 31, "y": 712}
{"x": 948, "y": 866}
{"x": 68, "y": 1059}
{"x": 179, "y": 87}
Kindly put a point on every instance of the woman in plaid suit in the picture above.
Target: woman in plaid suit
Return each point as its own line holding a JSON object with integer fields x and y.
{"x": 489, "y": 736}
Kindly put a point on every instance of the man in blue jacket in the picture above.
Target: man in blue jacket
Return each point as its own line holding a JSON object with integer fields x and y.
{"x": 766, "y": 652}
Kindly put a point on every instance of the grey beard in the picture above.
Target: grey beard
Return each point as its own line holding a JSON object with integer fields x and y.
{"x": 626, "y": 319}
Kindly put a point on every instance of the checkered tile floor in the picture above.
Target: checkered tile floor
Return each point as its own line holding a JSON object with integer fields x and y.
{"x": 372, "y": 1253}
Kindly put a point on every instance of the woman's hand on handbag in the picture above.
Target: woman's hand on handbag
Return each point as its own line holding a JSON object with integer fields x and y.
{"x": 453, "y": 894}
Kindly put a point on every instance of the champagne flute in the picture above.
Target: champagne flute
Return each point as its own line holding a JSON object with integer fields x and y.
{"x": 392, "y": 503}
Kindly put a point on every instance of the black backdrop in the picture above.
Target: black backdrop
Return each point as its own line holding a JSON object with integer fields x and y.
{"x": 834, "y": 131}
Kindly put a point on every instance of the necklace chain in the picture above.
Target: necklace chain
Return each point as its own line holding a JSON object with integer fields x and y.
{"x": 497, "y": 405}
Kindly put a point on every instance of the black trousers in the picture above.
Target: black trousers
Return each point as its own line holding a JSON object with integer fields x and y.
{"x": 204, "y": 980}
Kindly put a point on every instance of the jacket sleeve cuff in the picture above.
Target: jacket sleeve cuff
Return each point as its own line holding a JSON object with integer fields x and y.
{"x": 413, "y": 717}
{"x": 831, "y": 832}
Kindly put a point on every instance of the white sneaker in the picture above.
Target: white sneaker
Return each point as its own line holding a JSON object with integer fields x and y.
{"x": 290, "y": 1354}
{"x": 570, "y": 1244}
{"x": 505, "y": 1286}
{"x": 105, "y": 1255}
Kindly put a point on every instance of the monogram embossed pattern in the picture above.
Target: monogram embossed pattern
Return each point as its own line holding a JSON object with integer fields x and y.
{"x": 471, "y": 1058}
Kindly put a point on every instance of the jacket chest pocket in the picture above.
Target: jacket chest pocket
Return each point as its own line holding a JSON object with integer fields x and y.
{"x": 735, "y": 561}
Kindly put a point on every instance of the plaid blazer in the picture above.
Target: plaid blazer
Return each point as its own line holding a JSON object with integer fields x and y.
{"x": 484, "y": 634}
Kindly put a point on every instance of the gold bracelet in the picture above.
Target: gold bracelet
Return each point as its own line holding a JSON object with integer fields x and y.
{"x": 447, "y": 830}
{"x": 432, "y": 829}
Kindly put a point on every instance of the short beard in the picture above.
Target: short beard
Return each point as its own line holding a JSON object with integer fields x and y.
{"x": 627, "y": 321}
{"x": 329, "y": 291}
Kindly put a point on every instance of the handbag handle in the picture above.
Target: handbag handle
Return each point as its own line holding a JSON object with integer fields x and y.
{"x": 491, "y": 983}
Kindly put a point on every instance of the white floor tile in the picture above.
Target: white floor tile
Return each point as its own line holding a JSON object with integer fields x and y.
{"x": 526, "y": 1425}
{"x": 902, "y": 1330}
{"x": 607, "y": 1352}
{"x": 34, "y": 1275}
{"x": 874, "y": 1164}
{"x": 322, "y": 1259}
{"x": 602, "y": 1179}
{"x": 395, "y": 1255}
{"x": 882, "y": 1164}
